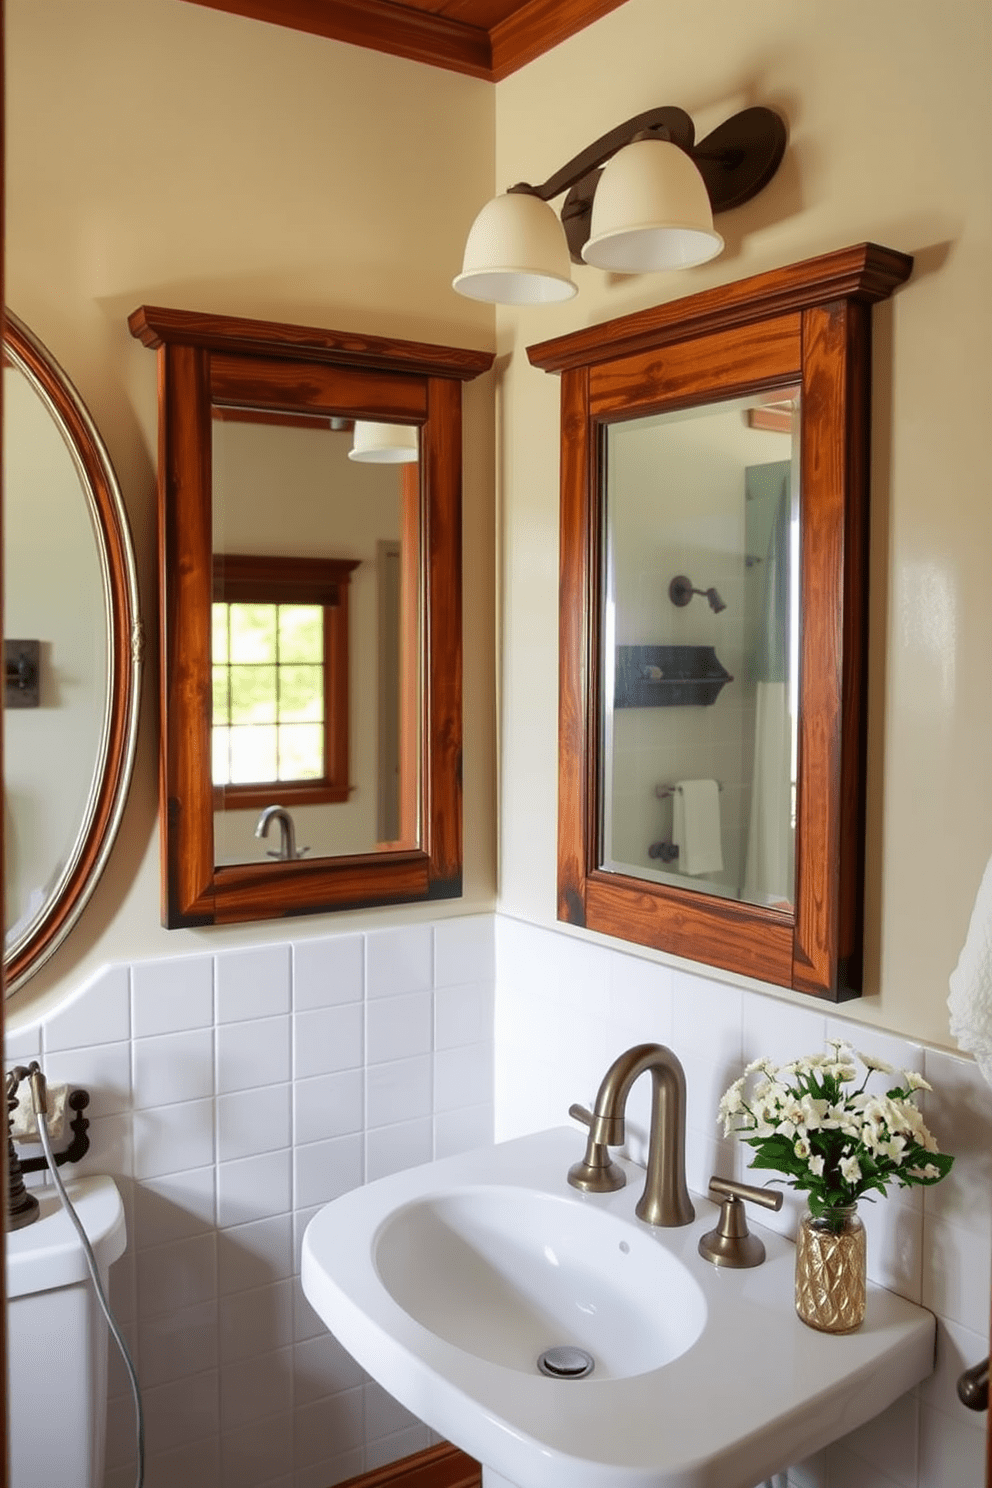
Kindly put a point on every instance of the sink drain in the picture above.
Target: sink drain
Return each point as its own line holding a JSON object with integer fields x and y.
{"x": 566, "y": 1362}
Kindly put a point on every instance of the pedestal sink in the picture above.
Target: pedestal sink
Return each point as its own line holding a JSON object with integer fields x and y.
{"x": 450, "y": 1282}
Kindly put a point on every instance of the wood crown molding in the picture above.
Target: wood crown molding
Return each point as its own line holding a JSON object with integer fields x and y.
{"x": 864, "y": 272}
{"x": 530, "y": 28}
{"x": 155, "y": 326}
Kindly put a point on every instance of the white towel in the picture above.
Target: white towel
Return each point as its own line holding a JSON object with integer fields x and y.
{"x": 696, "y": 826}
{"x": 970, "y": 1002}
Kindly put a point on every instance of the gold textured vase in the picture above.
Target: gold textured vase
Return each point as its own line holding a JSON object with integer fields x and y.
{"x": 831, "y": 1270}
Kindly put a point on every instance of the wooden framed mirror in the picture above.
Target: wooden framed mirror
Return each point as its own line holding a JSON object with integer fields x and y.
{"x": 74, "y": 649}
{"x": 307, "y": 598}
{"x": 714, "y": 496}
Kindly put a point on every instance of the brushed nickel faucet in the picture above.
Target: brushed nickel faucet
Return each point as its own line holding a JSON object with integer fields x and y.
{"x": 665, "y": 1200}
{"x": 288, "y": 851}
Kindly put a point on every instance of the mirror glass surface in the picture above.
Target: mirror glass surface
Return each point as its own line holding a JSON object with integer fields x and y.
{"x": 316, "y": 685}
{"x": 700, "y": 644}
{"x": 72, "y": 634}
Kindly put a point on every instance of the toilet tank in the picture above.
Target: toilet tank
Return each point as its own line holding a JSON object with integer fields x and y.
{"x": 57, "y": 1337}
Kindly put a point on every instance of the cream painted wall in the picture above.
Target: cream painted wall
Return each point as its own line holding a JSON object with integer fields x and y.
{"x": 162, "y": 153}
{"x": 889, "y": 114}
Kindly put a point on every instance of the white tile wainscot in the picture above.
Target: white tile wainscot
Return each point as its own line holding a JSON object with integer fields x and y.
{"x": 232, "y": 1095}
{"x": 566, "y": 1006}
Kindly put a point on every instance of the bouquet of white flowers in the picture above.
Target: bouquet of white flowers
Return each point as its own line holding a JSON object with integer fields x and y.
{"x": 836, "y": 1142}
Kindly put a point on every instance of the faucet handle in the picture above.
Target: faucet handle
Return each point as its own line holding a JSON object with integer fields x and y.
{"x": 731, "y": 1243}
{"x": 596, "y": 1173}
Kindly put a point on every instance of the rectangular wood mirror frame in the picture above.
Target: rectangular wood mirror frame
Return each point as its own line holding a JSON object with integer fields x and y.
{"x": 809, "y": 323}
{"x": 210, "y": 360}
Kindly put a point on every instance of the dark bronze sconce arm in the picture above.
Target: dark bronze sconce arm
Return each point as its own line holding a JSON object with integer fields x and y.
{"x": 735, "y": 161}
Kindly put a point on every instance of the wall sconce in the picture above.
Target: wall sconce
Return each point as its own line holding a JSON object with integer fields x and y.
{"x": 680, "y": 592}
{"x": 650, "y": 207}
{"x": 384, "y": 444}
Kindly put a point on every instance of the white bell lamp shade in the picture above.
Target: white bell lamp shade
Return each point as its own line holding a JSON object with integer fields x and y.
{"x": 651, "y": 211}
{"x": 384, "y": 444}
{"x": 516, "y": 254}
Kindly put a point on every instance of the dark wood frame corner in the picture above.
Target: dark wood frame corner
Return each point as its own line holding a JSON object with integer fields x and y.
{"x": 210, "y": 360}
{"x": 807, "y": 324}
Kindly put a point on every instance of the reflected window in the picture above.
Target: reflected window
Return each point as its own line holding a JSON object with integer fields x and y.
{"x": 280, "y": 680}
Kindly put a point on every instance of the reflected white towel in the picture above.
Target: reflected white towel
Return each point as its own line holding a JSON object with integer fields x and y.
{"x": 970, "y": 1002}
{"x": 696, "y": 826}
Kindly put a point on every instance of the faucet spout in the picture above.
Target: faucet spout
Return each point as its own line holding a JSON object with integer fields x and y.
{"x": 665, "y": 1200}
{"x": 287, "y": 833}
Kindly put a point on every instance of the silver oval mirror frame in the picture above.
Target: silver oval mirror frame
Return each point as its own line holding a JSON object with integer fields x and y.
{"x": 75, "y": 875}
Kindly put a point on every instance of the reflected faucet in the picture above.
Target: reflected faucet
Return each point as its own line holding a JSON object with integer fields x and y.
{"x": 287, "y": 833}
{"x": 665, "y": 1200}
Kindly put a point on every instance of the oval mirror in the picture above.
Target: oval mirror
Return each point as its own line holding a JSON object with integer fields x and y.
{"x": 72, "y": 652}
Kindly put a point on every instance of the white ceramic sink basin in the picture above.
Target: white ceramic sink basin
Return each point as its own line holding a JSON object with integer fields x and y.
{"x": 522, "y": 1271}
{"x": 446, "y": 1282}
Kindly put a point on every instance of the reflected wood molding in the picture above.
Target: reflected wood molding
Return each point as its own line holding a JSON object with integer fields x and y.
{"x": 809, "y": 323}
{"x": 206, "y": 361}
{"x": 88, "y": 852}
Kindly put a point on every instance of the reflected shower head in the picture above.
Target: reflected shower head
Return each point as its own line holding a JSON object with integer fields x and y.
{"x": 680, "y": 592}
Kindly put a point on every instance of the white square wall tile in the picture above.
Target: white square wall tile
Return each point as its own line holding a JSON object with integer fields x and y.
{"x": 463, "y": 1014}
{"x": 185, "y": 1410}
{"x": 400, "y": 1091}
{"x": 463, "y": 1130}
{"x": 956, "y": 1273}
{"x": 325, "y": 1170}
{"x": 398, "y": 1027}
{"x": 180, "y": 1274}
{"x": 329, "y": 1106}
{"x": 173, "y": 1067}
{"x": 104, "y": 1071}
{"x": 178, "y": 1342}
{"x": 253, "y": 1053}
{"x": 254, "y": 1121}
{"x": 172, "y": 1139}
{"x": 464, "y": 950}
{"x": 327, "y": 1040}
{"x": 641, "y": 998}
{"x": 172, "y": 995}
{"x": 708, "y": 1017}
{"x": 780, "y": 1030}
{"x": 328, "y": 971}
{"x": 100, "y": 1013}
{"x": 174, "y": 1208}
{"x": 399, "y": 960}
{"x": 330, "y": 1427}
{"x": 253, "y": 1389}
{"x": 959, "y": 1113}
{"x": 252, "y": 983}
{"x": 463, "y": 1077}
{"x": 390, "y": 1149}
{"x": 254, "y": 1188}
{"x": 256, "y": 1321}
{"x": 22, "y": 1046}
{"x": 256, "y": 1254}
{"x": 321, "y": 1367}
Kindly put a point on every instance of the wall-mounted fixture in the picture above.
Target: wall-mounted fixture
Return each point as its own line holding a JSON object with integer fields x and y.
{"x": 22, "y": 674}
{"x": 680, "y": 592}
{"x": 651, "y": 206}
{"x": 384, "y": 444}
